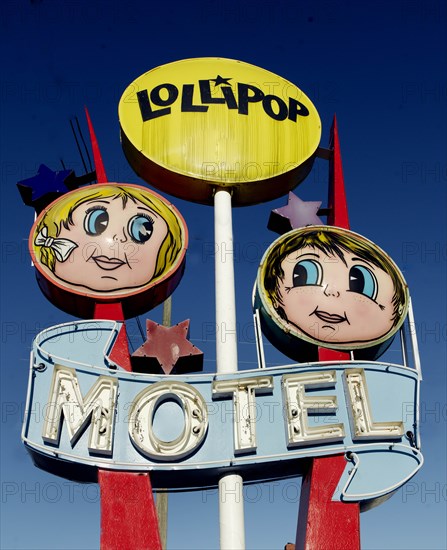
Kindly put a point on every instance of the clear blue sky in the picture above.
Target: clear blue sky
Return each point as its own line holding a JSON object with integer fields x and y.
{"x": 380, "y": 66}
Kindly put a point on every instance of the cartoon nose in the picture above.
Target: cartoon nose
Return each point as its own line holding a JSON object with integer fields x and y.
{"x": 120, "y": 237}
{"x": 331, "y": 290}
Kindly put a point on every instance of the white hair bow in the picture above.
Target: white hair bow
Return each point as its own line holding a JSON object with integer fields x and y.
{"x": 62, "y": 247}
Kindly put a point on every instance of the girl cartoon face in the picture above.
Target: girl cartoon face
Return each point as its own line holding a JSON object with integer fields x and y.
{"x": 333, "y": 287}
{"x": 117, "y": 245}
{"x": 108, "y": 239}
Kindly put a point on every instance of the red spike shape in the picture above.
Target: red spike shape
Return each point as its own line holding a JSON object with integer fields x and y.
{"x": 338, "y": 207}
{"x": 322, "y": 522}
{"x": 99, "y": 165}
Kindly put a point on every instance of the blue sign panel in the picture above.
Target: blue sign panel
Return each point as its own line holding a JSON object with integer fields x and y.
{"x": 84, "y": 412}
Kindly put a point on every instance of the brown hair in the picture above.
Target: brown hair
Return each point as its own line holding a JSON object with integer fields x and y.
{"x": 331, "y": 241}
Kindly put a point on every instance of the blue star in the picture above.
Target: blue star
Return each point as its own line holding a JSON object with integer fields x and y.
{"x": 44, "y": 187}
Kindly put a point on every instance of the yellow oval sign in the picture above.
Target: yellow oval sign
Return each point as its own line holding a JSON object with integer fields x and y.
{"x": 193, "y": 125}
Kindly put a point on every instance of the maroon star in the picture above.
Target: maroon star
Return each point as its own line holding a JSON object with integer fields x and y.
{"x": 296, "y": 213}
{"x": 167, "y": 350}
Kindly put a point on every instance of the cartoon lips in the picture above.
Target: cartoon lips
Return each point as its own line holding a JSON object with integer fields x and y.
{"x": 109, "y": 264}
{"x": 330, "y": 317}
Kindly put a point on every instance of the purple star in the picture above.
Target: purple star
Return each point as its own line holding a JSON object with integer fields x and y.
{"x": 44, "y": 187}
{"x": 296, "y": 213}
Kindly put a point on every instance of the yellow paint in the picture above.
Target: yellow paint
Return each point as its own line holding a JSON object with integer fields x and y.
{"x": 252, "y": 145}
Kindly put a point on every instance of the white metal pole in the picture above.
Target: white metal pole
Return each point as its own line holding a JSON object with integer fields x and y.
{"x": 231, "y": 502}
{"x": 161, "y": 504}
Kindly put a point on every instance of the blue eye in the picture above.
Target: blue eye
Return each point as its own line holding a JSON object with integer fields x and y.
{"x": 307, "y": 272}
{"x": 140, "y": 228}
{"x": 363, "y": 281}
{"x": 96, "y": 220}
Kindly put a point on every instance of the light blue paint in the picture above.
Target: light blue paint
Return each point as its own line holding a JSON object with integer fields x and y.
{"x": 377, "y": 467}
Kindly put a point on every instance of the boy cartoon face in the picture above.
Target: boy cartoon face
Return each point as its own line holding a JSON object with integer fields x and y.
{"x": 117, "y": 245}
{"x": 334, "y": 300}
{"x": 331, "y": 287}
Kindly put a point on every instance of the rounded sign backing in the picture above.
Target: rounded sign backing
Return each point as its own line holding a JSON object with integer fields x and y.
{"x": 109, "y": 243}
{"x": 329, "y": 287}
{"x": 193, "y": 125}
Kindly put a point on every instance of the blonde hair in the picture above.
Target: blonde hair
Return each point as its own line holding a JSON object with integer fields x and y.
{"x": 60, "y": 214}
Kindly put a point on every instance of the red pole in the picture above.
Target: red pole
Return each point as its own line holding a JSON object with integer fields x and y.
{"x": 324, "y": 524}
{"x": 128, "y": 515}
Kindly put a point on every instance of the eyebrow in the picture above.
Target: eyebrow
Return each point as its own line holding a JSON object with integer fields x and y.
{"x": 364, "y": 261}
{"x": 98, "y": 200}
{"x": 299, "y": 256}
{"x": 147, "y": 209}
{"x": 309, "y": 254}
